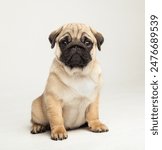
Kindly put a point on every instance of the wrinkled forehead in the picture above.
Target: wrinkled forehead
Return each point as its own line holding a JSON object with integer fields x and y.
{"x": 76, "y": 31}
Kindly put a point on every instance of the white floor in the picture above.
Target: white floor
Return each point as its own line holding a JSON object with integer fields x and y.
{"x": 122, "y": 109}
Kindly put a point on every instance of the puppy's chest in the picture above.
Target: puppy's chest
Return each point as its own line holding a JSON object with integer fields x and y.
{"x": 82, "y": 87}
{"x": 81, "y": 93}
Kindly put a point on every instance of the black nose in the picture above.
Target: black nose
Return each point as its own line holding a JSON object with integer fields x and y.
{"x": 76, "y": 49}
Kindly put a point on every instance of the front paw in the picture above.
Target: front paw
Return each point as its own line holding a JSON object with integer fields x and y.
{"x": 97, "y": 126}
{"x": 58, "y": 133}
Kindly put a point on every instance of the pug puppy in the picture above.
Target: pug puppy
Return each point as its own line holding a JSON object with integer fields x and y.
{"x": 71, "y": 95}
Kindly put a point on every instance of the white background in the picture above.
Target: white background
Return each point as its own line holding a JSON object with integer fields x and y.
{"x": 25, "y": 58}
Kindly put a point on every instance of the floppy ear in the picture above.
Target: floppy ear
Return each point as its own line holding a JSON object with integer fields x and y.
{"x": 99, "y": 38}
{"x": 53, "y": 36}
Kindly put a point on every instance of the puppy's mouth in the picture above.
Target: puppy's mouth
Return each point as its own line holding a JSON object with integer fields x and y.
{"x": 75, "y": 56}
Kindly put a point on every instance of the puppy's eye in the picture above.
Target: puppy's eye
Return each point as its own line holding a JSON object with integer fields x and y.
{"x": 64, "y": 42}
{"x": 87, "y": 43}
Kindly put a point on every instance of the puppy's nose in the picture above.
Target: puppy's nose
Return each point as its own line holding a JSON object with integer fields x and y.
{"x": 75, "y": 48}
